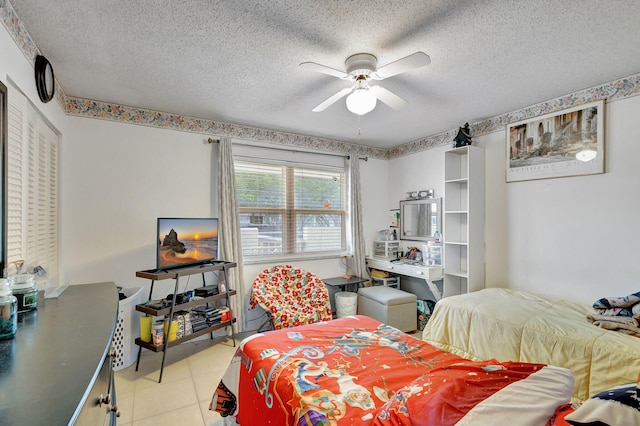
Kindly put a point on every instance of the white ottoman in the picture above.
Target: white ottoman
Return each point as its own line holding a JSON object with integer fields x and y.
{"x": 391, "y": 306}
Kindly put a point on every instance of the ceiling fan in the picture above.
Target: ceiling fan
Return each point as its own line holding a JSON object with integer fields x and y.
{"x": 361, "y": 68}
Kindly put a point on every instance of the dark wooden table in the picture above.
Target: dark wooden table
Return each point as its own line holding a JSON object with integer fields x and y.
{"x": 47, "y": 369}
{"x": 342, "y": 282}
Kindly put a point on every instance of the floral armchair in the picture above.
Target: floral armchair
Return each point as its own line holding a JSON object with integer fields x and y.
{"x": 291, "y": 296}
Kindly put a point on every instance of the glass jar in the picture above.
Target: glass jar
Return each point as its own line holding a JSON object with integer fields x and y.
{"x": 24, "y": 289}
{"x": 8, "y": 311}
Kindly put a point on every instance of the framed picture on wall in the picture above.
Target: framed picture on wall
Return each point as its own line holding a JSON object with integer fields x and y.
{"x": 564, "y": 143}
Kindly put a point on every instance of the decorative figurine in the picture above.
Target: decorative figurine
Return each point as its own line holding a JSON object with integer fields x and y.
{"x": 463, "y": 137}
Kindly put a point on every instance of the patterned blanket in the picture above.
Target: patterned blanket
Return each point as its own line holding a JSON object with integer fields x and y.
{"x": 618, "y": 313}
{"x": 358, "y": 371}
{"x": 622, "y": 324}
{"x": 626, "y": 306}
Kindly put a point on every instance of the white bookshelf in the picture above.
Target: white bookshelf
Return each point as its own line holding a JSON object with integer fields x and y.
{"x": 463, "y": 220}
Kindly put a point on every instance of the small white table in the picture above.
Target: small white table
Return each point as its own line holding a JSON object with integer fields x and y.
{"x": 428, "y": 273}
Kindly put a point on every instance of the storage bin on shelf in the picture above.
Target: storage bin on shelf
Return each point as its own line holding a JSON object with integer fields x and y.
{"x": 391, "y": 281}
{"x": 434, "y": 253}
{"x": 386, "y": 249}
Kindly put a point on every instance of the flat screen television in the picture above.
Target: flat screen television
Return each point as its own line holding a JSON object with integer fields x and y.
{"x": 186, "y": 242}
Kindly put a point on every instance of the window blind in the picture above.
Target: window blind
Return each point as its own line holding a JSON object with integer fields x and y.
{"x": 287, "y": 209}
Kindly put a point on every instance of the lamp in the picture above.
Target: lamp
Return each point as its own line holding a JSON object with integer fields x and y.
{"x": 361, "y": 100}
{"x": 345, "y": 260}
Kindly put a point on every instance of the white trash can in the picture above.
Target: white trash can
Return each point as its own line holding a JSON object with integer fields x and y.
{"x": 346, "y": 303}
{"x": 127, "y": 329}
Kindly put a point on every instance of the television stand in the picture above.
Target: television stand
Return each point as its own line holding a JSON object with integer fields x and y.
{"x": 175, "y": 274}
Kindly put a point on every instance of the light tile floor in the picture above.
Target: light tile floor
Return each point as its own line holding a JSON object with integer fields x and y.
{"x": 192, "y": 371}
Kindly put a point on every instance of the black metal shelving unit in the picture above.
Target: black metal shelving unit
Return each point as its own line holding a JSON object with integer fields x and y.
{"x": 176, "y": 274}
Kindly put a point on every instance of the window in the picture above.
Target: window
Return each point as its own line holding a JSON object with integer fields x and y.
{"x": 286, "y": 209}
{"x": 32, "y": 189}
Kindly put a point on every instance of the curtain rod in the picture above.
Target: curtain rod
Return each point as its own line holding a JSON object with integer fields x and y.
{"x": 211, "y": 140}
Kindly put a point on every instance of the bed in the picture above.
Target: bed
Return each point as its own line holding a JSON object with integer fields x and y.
{"x": 359, "y": 371}
{"x": 518, "y": 326}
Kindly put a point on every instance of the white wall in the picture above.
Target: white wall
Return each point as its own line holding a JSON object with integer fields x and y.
{"x": 116, "y": 180}
{"x": 374, "y": 178}
{"x": 423, "y": 170}
{"x": 574, "y": 237}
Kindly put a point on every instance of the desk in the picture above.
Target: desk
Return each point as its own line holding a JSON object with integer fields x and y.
{"x": 428, "y": 273}
{"x": 344, "y": 282}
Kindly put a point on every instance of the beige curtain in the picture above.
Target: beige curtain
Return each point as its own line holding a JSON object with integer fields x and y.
{"x": 229, "y": 232}
{"x": 358, "y": 244}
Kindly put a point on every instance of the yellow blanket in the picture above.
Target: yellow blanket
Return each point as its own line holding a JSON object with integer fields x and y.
{"x": 512, "y": 325}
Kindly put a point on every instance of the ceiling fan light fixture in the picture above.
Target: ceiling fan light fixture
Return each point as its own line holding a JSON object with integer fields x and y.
{"x": 361, "y": 68}
{"x": 361, "y": 101}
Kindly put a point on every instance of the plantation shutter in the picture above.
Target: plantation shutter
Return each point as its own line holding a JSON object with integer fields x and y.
{"x": 32, "y": 197}
{"x": 16, "y": 208}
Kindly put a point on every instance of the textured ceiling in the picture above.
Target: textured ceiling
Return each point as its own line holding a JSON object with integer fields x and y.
{"x": 237, "y": 61}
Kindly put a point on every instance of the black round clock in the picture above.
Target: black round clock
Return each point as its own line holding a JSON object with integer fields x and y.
{"x": 45, "y": 82}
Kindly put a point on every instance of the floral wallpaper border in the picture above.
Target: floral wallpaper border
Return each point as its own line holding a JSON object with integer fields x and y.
{"x": 17, "y": 31}
{"x": 614, "y": 90}
{"x": 132, "y": 115}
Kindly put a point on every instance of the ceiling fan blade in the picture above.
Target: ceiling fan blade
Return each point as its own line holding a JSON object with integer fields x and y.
{"x": 408, "y": 63}
{"x": 312, "y": 66}
{"x": 332, "y": 99}
{"x": 388, "y": 97}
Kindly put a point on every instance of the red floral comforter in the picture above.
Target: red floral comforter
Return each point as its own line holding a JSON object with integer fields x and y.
{"x": 358, "y": 371}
